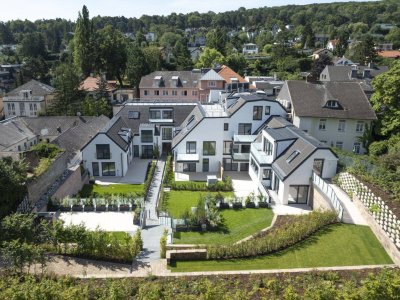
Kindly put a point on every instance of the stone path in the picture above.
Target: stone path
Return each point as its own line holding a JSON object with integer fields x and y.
{"x": 351, "y": 214}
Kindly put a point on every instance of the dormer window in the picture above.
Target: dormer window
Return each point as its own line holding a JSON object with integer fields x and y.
{"x": 332, "y": 104}
{"x": 292, "y": 156}
{"x": 158, "y": 81}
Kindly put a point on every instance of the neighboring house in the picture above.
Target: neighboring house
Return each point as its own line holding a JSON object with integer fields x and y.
{"x": 268, "y": 84}
{"x": 250, "y": 49}
{"x": 384, "y": 47}
{"x": 195, "y": 52}
{"x": 389, "y": 54}
{"x": 15, "y": 137}
{"x": 336, "y": 113}
{"x": 211, "y": 83}
{"x": 135, "y": 130}
{"x": 220, "y": 135}
{"x": 124, "y": 94}
{"x": 283, "y": 159}
{"x": 318, "y": 53}
{"x": 386, "y": 26}
{"x": 353, "y": 73}
{"x": 150, "y": 36}
{"x": 342, "y": 61}
{"x": 91, "y": 84}
{"x": 29, "y": 99}
{"x": 170, "y": 85}
{"x": 321, "y": 38}
{"x": 331, "y": 45}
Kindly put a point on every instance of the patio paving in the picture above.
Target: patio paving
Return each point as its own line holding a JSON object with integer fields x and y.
{"x": 136, "y": 174}
{"x": 108, "y": 221}
{"x": 242, "y": 183}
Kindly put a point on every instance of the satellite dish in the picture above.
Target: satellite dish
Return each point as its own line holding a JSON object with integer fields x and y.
{"x": 44, "y": 131}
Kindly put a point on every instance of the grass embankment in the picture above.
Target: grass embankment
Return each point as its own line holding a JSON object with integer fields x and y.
{"x": 334, "y": 245}
{"x": 238, "y": 224}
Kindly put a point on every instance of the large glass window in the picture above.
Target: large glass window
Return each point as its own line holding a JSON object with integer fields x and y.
{"x": 189, "y": 167}
{"x": 298, "y": 194}
{"x": 147, "y": 151}
{"x": 108, "y": 168}
{"x": 191, "y": 147}
{"x": 227, "y": 147}
{"x": 244, "y": 128}
{"x": 95, "y": 169}
{"x": 229, "y": 165}
{"x": 146, "y": 136}
{"x": 257, "y": 112}
{"x": 209, "y": 148}
{"x": 167, "y": 133}
{"x": 267, "y": 147}
{"x": 103, "y": 151}
{"x": 168, "y": 114}
{"x": 254, "y": 166}
{"x": 266, "y": 174}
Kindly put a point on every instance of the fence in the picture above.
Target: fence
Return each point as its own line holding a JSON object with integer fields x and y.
{"x": 330, "y": 193}
{"x": 376, "y": 207}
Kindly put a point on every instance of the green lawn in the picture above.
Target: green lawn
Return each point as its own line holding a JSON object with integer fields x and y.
{"x": 180, "y": 201}
{"x": 238, "y": 224}
{"x": 336, "y": 245}
{"x": 111, "y": 189}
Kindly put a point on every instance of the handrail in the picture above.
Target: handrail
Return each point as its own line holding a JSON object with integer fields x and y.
{"x": 330, "y": 193}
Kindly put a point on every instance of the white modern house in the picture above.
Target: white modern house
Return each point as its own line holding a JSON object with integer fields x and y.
{"x": 283, "y": 159}
{"x": 138, "y": 129}
{"x": 28, "y": 99}
{"x": 219, "y": 135}
{"x": 250, "y": 48}
{"x": 335, "y": 113}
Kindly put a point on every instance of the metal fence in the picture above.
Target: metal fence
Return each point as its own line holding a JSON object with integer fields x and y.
{"x": 330, "y": 193}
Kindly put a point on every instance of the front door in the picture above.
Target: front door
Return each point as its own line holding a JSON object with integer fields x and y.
{"x": 206, "y": 164}
{"x": 318, "y": 166}
{"x": 135, "y": 150}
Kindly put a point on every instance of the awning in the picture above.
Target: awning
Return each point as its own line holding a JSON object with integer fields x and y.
{"x": 187, "y": 158}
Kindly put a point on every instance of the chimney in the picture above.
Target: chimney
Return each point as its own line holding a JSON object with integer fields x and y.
{"x": 367, "y": 73}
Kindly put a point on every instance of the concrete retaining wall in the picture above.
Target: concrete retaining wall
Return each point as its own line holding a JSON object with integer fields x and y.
{"x": 40, "y": 185}
{"x": 190, "y": 254}
{"x": 378, "y": 231}
{"x": 73, "y": 184}
{"x": 320, "y": 200}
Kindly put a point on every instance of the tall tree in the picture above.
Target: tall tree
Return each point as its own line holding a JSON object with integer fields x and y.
{"x": 216, "y": 39}
{"x": 5, "y": 34}
{"x": 319, "y": 65}
{"x": 153, "y": 58}
{"x": 84, "y": 55}
{"x": 136, "y": 66}
{"x": 209, "y": 58}
{"x": 68, "y": 96}
{"x": 33, "y": 45}
{"x": 182, "y": 56}
{"x": 236, "y": 62}
{"x": 386, "y": 101}
{"x": 112, "y": 53}
{"x": 364, "y": 52}
{"x": 36, "y": 68}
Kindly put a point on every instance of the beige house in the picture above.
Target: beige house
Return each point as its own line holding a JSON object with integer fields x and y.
{"x": 30, "y": 99}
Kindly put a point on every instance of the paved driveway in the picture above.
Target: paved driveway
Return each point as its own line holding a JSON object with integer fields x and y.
{"x": 108, "y": 221}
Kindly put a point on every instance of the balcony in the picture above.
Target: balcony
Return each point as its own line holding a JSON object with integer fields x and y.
{"x": 244, "y": 139}
{"x": 241, "y": 156}
{"x": 258, "y": 153}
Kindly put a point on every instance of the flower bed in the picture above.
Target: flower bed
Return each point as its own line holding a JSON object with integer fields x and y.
{"x": 277, "y": 238}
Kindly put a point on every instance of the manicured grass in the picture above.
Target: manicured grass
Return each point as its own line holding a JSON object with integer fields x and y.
{"x": 335, "y": 245}
{"x": 111, "y": 189}
{"x": 180, "y": 201}
{"x": 238, "y": 224}
{"x": 120, "y": 235}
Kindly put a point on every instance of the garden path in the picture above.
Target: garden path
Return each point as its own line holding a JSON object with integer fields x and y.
{"x": 153, "y": 231}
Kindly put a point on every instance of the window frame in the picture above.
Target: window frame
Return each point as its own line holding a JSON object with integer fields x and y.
{"x": 226, "y": 126}
{"x": 109, "y": 172}
{"x": 257, "y": 112}
{"x": 267, "y": 110}
{"x": 101, "y": 153}
{"x": 230, "y": 143}
{"x": 322, "y": 125}
{"x": 342, "y": 126}
{"x": 244, "y": 126}
{"x": 206, "y": 149}
{"x": 189, "y": 147}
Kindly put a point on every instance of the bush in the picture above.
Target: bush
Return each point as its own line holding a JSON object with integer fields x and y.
{"x": 46, "y": 150}
{"x": 220, "y": 186}
{"x": 149, "y": 177}
{"x": 378, "y": 148}
{"x": 275, "y": 239}
{"x": 163, "y": 244}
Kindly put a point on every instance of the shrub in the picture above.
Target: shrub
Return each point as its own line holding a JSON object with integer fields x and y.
{"x": 275, "y": 239}
{"x": 46, "y": 150}
{"x": 378, "y": 148}
{"x": 163, "y": 244}
{"x": 149, "y": 177}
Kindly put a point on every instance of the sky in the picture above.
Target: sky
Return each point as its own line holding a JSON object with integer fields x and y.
{"x": 68, "y": 9}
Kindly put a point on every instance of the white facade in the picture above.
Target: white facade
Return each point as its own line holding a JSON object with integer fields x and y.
{"x": 223, "y": 130}
{"x": 250, "y": 49}
{"x": 116, "y": 165}
{"x": 344, "y": 134}
{"x": 24, "y": 107}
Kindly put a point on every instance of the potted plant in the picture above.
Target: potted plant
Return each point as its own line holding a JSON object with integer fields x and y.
{"x": 249, "y": 202}
{"x": 89, "y": 204}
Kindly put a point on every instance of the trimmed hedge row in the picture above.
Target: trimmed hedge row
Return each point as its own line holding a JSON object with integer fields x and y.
{"x": 275, "y": 239}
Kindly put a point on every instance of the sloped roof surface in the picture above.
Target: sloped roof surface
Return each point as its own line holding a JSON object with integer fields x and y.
{"x": 37, "y": 88}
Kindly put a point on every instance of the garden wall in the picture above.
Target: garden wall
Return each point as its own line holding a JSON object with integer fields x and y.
{"x": 73, "y": 184}
{"x": 190, "y": 254}
{"x": 320, "y": 201}
{"x": 40, "y": 185}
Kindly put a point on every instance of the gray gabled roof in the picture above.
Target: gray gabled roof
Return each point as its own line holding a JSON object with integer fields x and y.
{"x": 280, "y": 129}
{"x": 37, "y": 88}
{"x": 112, "y": 130}
{"x": 54, "y": 125}
{"x": 309, "y": 99}
{"x": 13, "y": 131}
{"x": 75, "y": 138}
{"x": 187, "y": 79}
{"x": 191, "y": 121}
{"x": 241, "y": 99}
{"x": 343, "y": 73}
{"x": 212, "y": 75}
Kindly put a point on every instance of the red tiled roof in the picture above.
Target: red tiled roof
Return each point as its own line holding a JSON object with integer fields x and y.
{"x": 227, "y": 73}
{"x": 91, "y": 84}
{"x": 389, "y": 54}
